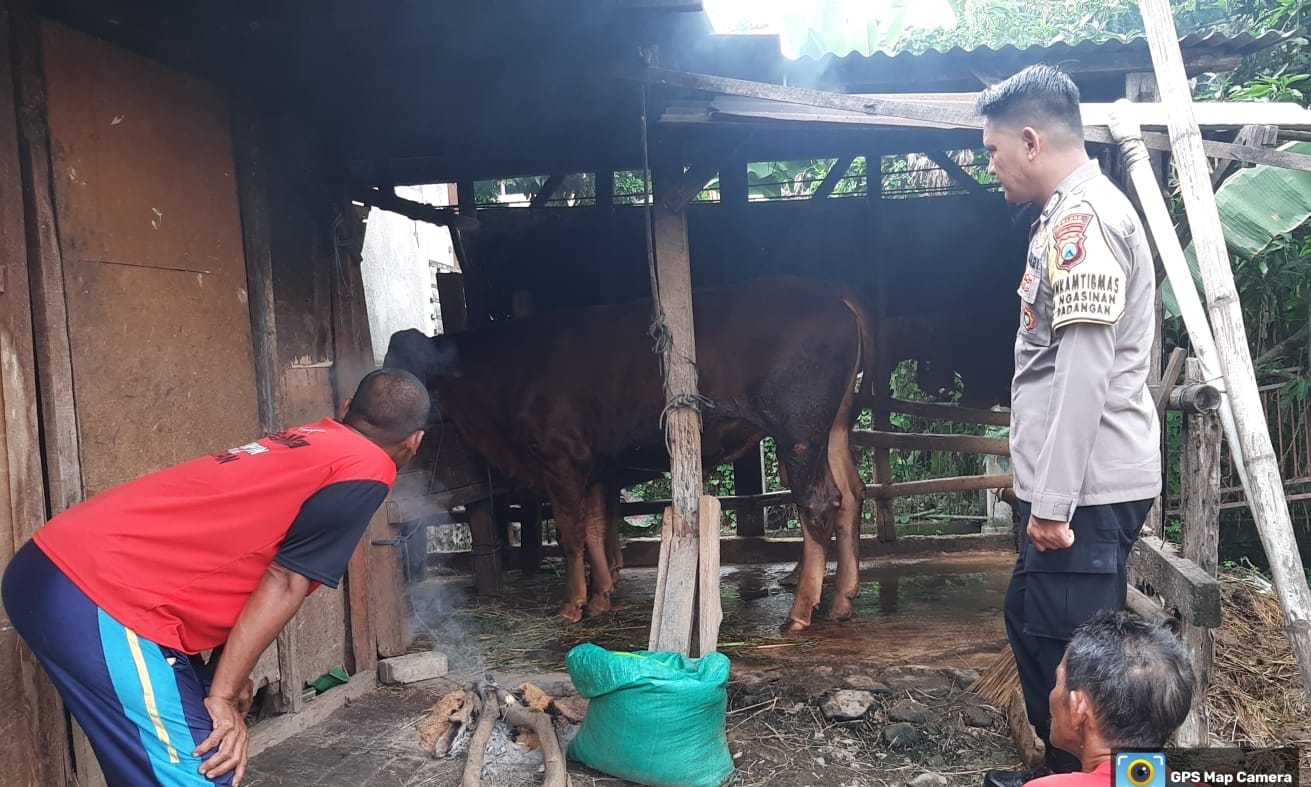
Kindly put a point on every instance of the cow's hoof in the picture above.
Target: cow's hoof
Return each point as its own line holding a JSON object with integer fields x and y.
{"x": 598, "y": 605}
{"x": 842, "y": 608}
{"x": 571, "y": 612}
{"x": 794, "y": 626}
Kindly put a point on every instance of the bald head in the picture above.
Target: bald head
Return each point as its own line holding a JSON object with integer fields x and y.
{"x": 388, "y": 407}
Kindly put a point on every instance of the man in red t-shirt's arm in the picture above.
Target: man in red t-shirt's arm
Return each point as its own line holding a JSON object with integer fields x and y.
{"x": 119, "y": 595}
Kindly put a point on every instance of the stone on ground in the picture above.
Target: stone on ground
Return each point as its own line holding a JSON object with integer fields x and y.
{"x": 911, "y": 711}
{"x": 901, "y": 735}
{"x": 846, "y": 705}
{"x": 412, "y": 667}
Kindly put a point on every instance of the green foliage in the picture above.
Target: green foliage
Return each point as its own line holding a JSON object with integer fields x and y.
{"x": 1023, "y": 23}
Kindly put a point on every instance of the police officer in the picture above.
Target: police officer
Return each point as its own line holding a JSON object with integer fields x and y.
{"x": 1084, "y": 433}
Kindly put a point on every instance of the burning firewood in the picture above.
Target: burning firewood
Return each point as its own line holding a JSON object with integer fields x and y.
{"x": 534, "y": 697}
{"x": 488, "y": 702}
{"x": 448, "y": 716}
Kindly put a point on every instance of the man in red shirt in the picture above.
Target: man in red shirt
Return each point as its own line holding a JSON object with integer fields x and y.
{"x": 1124, "y": 685}
{"x": 117, "y": 596}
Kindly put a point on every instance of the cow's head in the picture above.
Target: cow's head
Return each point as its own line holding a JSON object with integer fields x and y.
{"x": 430, "y": 358}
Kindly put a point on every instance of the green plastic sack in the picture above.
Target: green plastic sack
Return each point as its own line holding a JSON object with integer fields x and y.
{"x": 653, "y": 718}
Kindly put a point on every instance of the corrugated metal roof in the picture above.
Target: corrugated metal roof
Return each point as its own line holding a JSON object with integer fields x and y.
{"x": 1240, "y": 44}
{"x": 1210, "y": 52}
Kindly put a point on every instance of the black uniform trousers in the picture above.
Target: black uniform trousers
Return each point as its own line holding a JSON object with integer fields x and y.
{"x": 1052, "y": 592}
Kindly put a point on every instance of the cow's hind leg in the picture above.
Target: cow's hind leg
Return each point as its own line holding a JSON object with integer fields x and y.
{"x": 613, "y": 550}
{"x": 597, "y": 526}
{"x": 569, "y": 525}
{"x": 846, "y": 477}
{"x": 817, "y": 500}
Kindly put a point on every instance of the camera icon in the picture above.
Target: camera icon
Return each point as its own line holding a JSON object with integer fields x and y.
{"x": 1140, "y": 769}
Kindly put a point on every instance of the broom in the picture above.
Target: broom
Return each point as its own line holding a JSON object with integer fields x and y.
{"x": 999, "y": 686}
{"x": 999, "y": 681}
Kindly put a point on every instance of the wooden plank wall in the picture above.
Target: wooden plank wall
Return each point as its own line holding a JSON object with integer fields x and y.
{"x": 288, "y": 208}
{"x": 31, "y": 716}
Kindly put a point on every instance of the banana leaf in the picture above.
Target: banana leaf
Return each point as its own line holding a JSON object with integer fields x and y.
{"x": 1257, "y": 206}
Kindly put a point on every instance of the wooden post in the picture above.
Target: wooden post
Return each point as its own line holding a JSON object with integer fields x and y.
{"x": 749, "y": 479}
{"x": 33, "y": 748}
{"x": 252, "y": 194}
{"x": 1200, "y": 493}
{"x": 709, "y": 611}
{"x": 1265, "y": 490}
{"x": 475, "y": 295}
{"x": 375, "y": 576}
{"x": 672, "y": 629}
{"x": 1140, "y": 87}
{"x": 530, "y": 537}
{"x": 486, "y": 549}
{"x": 880, "y": 410}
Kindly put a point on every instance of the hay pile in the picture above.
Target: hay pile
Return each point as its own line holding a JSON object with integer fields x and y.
{"x": 1256, "y": 695}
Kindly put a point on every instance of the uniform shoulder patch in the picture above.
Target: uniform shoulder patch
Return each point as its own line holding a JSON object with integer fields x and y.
{"x": 1069, "y": 234}
{"x": 1088, "y": 281}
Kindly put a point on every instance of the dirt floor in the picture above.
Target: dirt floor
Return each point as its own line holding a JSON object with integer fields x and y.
{"x": 924, "y": 629}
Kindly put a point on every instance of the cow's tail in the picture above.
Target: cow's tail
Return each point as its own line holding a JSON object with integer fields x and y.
{"x": 868, "y": 348}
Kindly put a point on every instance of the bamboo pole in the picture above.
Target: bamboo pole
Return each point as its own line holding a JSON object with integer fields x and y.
{"x": 1265, "y": 490}
{"x": 1128, "y": 134}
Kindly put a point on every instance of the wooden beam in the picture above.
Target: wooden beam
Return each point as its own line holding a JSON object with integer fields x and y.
{"x": 46, "y": 270}
{"x": 1161, "y": 396}
{"x": 466, "y": 201}
{"x": 672, "y": 629}
{"x": 1262, "y": 136}
{"x": 947, "y": 443}
{"x": 864, "y": 105}
{"x": 605, "y": 188}
{"x": 936, "y": 411}
{"x": 956, "y": 172}
{"x": 33, "y": 749}
{"x": 710, "y": 613}
{"x": 704, "y": 166}
{"x": 1265, "y": 490}
{"x": 416, "y": 211}
{"x": 953, "y": 110}
{"x": 1226, "y": 150}
{"x": 1181, "y": 582}
{"x": 547, "y": 190}
{"x": 872, "y": 107}
{"x": 1200, "y": 490}
{"x": 486, "y": 549}
{"x": 835, "y": 174}
{"x": 881, "y": 368}
{"x": 252, "y": 197}
{"x": 738, "y": 550}
{"x": 933, "y": 486}
{"x": 749, "y": 479}
{"x": 733, "y": 183}
{"x": 1140, "y": 87}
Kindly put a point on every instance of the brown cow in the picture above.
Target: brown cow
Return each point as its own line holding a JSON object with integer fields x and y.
{"x": 563, "y": 403}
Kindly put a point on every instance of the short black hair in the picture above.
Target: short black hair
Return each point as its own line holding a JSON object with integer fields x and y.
{"x": 1039, "y": 96}
{"x": 1137, "y": 676}
{"x": 389, "y": 405}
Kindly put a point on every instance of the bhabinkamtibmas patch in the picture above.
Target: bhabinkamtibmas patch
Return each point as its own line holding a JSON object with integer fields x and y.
{"x": 1087, "y": 280}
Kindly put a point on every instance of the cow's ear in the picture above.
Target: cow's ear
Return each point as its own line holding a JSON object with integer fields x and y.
{"x": 410, "y": 350}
